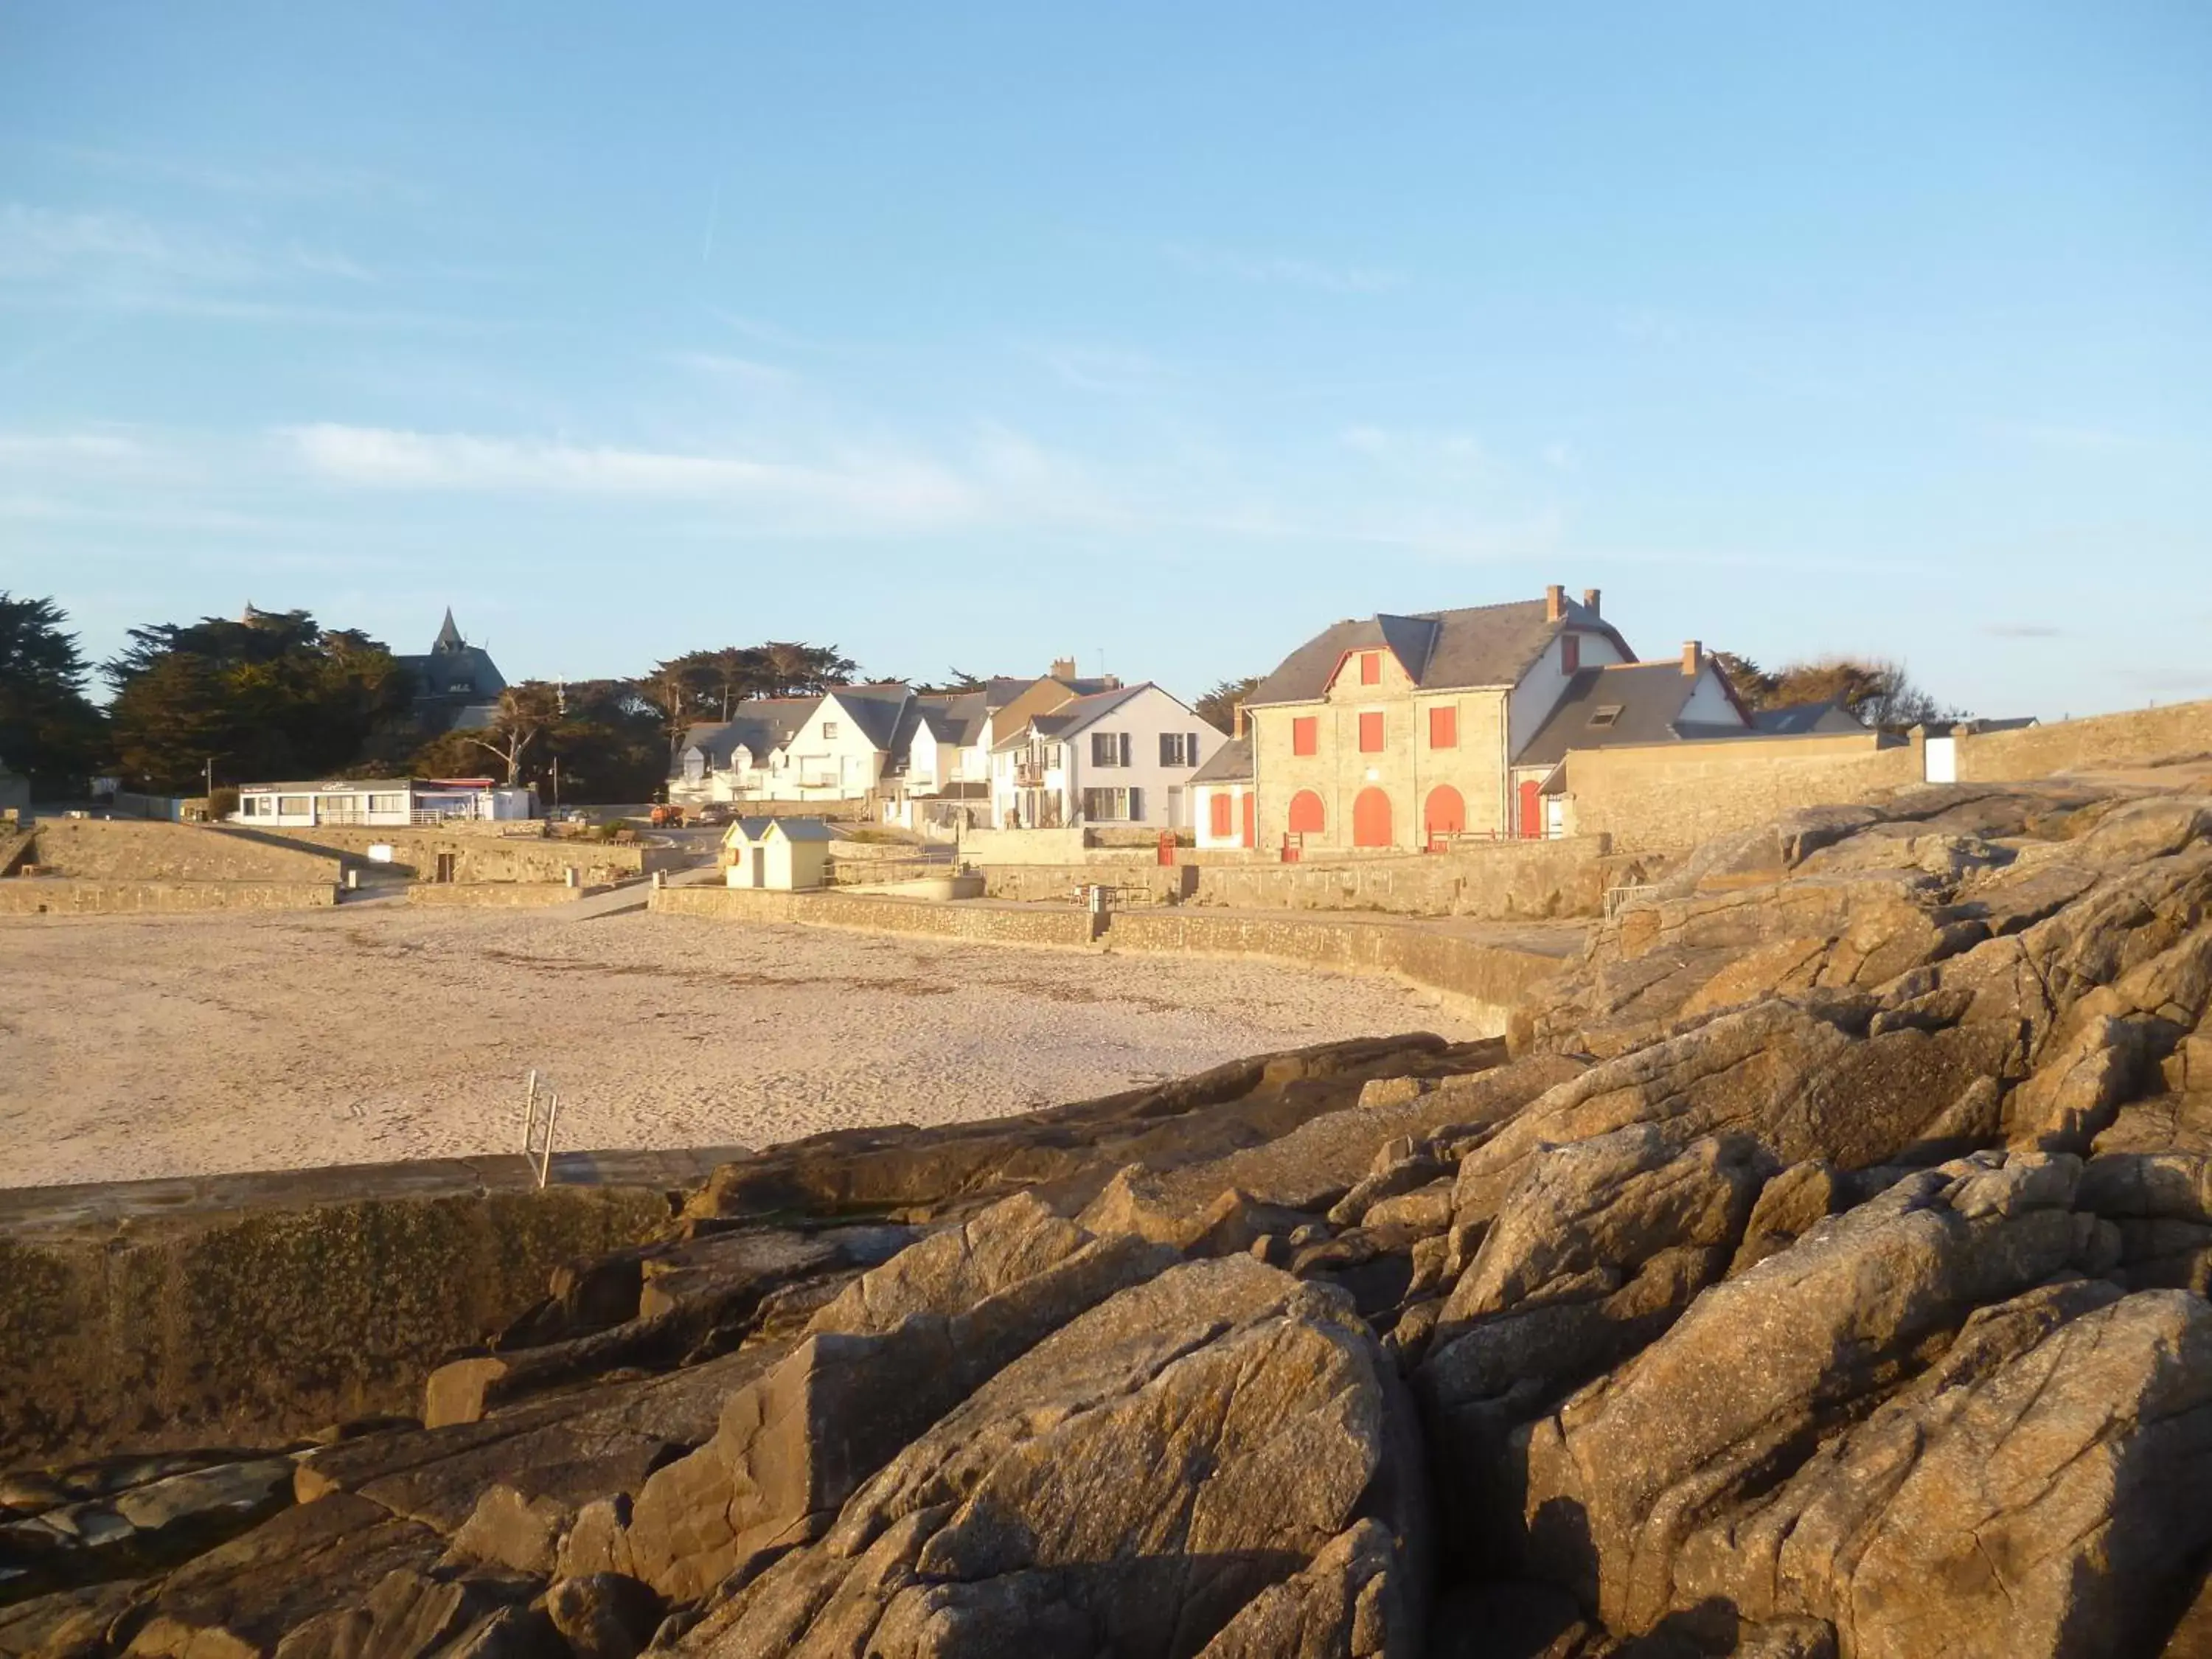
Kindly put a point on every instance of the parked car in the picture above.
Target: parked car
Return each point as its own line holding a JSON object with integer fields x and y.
{"x": 715, "y": 814}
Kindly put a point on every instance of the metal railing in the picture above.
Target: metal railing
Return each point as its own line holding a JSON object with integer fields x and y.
{"x": 1618, "y": 899}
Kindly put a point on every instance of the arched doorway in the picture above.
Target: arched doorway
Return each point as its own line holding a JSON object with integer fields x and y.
{"x": 1371, "y": 819}
{"x": 1445, "y": 814}
{"x": 1305, "y": 813}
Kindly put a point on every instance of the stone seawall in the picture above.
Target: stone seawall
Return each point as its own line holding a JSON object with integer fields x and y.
{"x": 479, "y": 853}
{"x": 2140, "y": 737}
{"x": 190, "y": 1312}
{"x": 138, "y": 850}
{"x": 878, "y": 913}
{"x": 498, "y": 895}
{"x": 69, "y": 895}
{"x": 1483, "y": 978}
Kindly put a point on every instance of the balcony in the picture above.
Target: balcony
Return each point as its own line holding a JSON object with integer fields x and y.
{"x": 1029, "y": 774}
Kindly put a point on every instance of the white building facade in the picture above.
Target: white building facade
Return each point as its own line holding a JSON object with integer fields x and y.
{"x": 395, "y": 802}
{"x": 1120, "y": 757}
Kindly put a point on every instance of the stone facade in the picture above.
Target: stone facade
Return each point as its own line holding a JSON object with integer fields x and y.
{"x": 90, "y": 896}
{"x": 1669, "y": 796}
{"x": 2140, "y": 737}
{"x": 1407, "y": 768}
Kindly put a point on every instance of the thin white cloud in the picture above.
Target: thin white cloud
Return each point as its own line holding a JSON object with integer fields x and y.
{"x": 37, "y": 243}
{"x": 1113, "y": 371}
{"x": 2023, "y": 631}
{"x": 2079, "y": 439}
{"x": 1441, "y": 457}
{"x": 288, "y": 180}
{"x": 720, "y": 366}
{"x": 880, "y": 488}
{"x": 1280, "y": 272}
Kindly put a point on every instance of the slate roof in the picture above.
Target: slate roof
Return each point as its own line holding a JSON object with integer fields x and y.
{"x": 1480, "y": 644}
{"x": 1645, "y": 700}
{"x": 793, "y": 828}
{"x": 875, "y": 709}
{"x": 1231, "y": 764}
{"x": 762, "y": 725}
{"x": 1801, "y": 719}
{"x": 955, "y": 717}
{"x": 452, "y": 661}
{"x": 1074, "y": 715}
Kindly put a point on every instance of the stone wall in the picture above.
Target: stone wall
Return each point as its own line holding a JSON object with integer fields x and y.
{"x": 1484, "y": 979}
{"x": 145, "y": 850}
{"x": 273, "y": 1320}
{"x": 1021, "y": 846}
{"x": 495, "y": 895}
{"x": 1664, "y": 797}
{"x": 2142, "y": 737}
{"x": 482, "y": 854}
{"x": 1499, "y": 881}
{"x": 878, "y": 913}
{"x": 23, "y": 896}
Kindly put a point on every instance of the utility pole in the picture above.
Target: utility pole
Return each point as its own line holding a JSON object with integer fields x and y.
{"x": 210, "y": 782}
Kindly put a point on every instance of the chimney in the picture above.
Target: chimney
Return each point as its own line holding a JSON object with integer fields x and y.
{"x": 1555, "y": 603}
{"x": 1693, "y": 653}
{"x": 1063, "y": 668}
{"x": 1590, "y": 600}
{"x": 1237, "y": 721}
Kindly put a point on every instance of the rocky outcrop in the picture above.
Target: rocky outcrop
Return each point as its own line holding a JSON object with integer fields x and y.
{"x": 1822, "y": 1275}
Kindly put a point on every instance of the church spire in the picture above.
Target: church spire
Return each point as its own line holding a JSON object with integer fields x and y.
{"x": 449, "y": 637}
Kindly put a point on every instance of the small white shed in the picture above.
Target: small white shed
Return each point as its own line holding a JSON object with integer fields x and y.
{"x": 788, "y": 855}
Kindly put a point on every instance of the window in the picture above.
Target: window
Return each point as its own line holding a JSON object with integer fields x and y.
{"x": 1109, "y": 748}
{"x": 829, "y": 731}
{"x": 1306, "y": 735}
{"x": 1112, "y": 805}
{"x": 1570, "y": 652}
{"x": 1370, "y": 668}
{"x": 1178, "y": 748}
{"x": 1221, "y": 816}
{"x": 1371, "y": 735}
{"x": 1305, "y": 813}
{"x": 1443, "y": 728}
{"x": 387, "y": 803}
{"x": 1605, "y": 716}
{"x": 292, "y": 806}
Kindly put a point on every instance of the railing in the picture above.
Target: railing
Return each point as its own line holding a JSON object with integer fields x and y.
{"x": 1618, "y": 899}
{"x": 1029, "y": 776}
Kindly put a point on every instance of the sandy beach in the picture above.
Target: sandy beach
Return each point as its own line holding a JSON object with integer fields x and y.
{"x": 132, "y": 1047}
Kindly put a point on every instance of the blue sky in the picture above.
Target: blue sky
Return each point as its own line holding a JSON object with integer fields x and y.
{"x": 1163, "y": 336}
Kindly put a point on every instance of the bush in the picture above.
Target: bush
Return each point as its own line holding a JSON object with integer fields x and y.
{"x": 222, "y": 803}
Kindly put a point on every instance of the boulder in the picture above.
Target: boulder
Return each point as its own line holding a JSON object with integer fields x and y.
{"x": 1131, "y": 1484}
{"x": 604, "y": 1615}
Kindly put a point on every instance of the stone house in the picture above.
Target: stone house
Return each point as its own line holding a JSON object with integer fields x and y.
{"x": 1121, "y": 756}
{"x": 457, "y": 684}
{"x": 1225, "y": 808}
{"x": 1395, "y": 730}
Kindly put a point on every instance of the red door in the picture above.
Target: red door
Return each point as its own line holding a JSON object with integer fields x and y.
{"x": 1446, "y": 814}
{"x": 1371, "y": 819}
{"x": 1218, "y": 810}
{"x": 1532, "y": 809}
{"x": 1251, "y": 823}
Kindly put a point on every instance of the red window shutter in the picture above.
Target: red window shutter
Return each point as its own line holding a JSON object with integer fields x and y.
{"x": 1371, "y": 735}
{"x": 1370, "y": 668}
{"x": 1306, "y": 735}
{"x": 1443, "y": 728}
{"x": 1222, "y": 811}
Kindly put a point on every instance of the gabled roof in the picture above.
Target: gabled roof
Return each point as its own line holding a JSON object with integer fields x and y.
{"x": 1072, "y": 716}
{"x": 1625, "y": 703}
{"x": 793, "y": 828}
{"x": 1231, "y": 764}
{"x": 759, "y": 726}
{"x": 875, "y": 709}
{"x": 449, "y": 636}
{"x": 955, "y": 717}
{"x": 1439, "y": 650}
{"x": 1801, "y": 718}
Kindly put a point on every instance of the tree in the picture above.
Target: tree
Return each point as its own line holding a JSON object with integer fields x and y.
{"x": 267, "y": 698}
{"x": 956, "y": 681}
{"x": 527, "y": 713}
{"x": 708, "y": 685}
{"x": 49, "y": 731}
{"x": 602, "y": 744}
{"x": 1879, "y": 693}
{"x": 1219, "y": 707}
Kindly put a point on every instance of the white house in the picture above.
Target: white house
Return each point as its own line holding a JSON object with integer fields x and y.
{"x": 735, "y": 759}
{"x": 835, "y": 747}
{"x": 939, "y": 769}
{"x": 786, "y": 854}
{"x": 1124, "y": 756}
{"x": 1223, "y": 801}
{"x": 395, "y": 802}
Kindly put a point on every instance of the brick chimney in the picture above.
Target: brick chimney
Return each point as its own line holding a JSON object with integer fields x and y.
{"x": 1693, "y": 655}
{"x": 1063, "y": 668}
{"x": 1237, "y": 721}
{"x": 1555, "y": 603}
{"x": 1590, "y": 600}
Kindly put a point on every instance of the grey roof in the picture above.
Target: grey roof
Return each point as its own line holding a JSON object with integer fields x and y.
{"x": 1480, "y": 644}
{"x": 1800, "y": 719}
{"x": 452, "y": 662}
{"x": 1077, "y": 713}
{"x": 449, "y": 637}
{"x": 1231, "y": 764}
{"x": 793, "y": 828}
{"x": 1645, "y": 698}
{"x": 350, "y": 785}
{"x": 956, "y": 717}
{"x": 762, "y": 725}
{"x": 875, "y": 709}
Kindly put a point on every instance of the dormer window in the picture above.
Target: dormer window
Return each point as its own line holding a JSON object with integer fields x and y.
{"x": 1605, "y": 717}
{"x": 1570, "y": 652}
